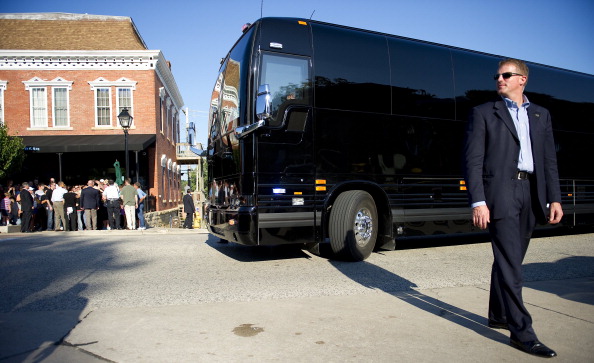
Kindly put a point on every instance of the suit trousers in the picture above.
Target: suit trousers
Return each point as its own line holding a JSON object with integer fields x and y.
{"x": 189, "y": 222}
{"x": 91, "y": 219}
{"x": 510, "y": 237}
{"x": 26, "y": 220}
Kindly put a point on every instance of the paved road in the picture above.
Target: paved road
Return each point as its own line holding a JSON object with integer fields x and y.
{"x": 181, "y": 296}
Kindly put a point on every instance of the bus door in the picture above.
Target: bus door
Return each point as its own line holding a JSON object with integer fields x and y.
{"x": 284, "y": 150}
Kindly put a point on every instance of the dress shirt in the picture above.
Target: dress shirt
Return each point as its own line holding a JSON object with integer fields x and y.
{"x": 58, "y": 194}
{"x": 520, "y": 116}
{"x": 112, "y": 192}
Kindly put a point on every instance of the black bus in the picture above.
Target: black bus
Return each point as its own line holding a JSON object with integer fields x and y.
{"x": 326, "y": 133}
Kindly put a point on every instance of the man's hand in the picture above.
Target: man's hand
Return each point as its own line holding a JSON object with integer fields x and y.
{"x": 481, "y": 216}
{"x": 555, "y": 213}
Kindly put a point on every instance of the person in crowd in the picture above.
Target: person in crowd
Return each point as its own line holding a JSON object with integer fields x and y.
{"x": 130, "y": 201}
{"x": 81, "y": 222}
{"x": 14, "y": 211}
{"x": 58, "y": 204}
{"x": 111, "y": 196}
{"x": 5, "y": 209}
{"x": 90, "y": 200}
{"x": 49, "y": 207}
{"x": 40, "y": 215}
{"x": 27, "y": 205}
{"x": 140, "y": 209}
{"x": 70, "y": 207}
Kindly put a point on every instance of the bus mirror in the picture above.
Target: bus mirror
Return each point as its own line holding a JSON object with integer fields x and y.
{"x": 263, "y": 103}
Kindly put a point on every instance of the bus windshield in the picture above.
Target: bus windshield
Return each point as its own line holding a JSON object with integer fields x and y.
{"x": 288, "y": 81}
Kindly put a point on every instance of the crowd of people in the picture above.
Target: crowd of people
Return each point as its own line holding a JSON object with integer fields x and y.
{"x": 100, "y": 204}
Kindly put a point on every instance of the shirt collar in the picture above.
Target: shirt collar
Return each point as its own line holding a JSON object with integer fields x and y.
{"x": 511, "y": 104}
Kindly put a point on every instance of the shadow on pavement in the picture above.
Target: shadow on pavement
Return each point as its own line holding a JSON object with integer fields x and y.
{"x": 43, "y": 286}
{"x": 256, "y": 253}
{"x": 556, "y": 275}
{"x": 375, "y": 277}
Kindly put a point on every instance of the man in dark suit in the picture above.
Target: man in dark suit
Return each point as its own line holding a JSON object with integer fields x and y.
{"x": 90, "y": 201}
{"x": 189, "y": 209}
{"x": 27, "y": 203}
{"x": 511, "y": 176}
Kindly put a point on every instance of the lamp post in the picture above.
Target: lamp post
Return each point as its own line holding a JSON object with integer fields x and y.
{"x": 126, "y": 122}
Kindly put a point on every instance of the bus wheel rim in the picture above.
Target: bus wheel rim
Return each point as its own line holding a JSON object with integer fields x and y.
{"x": 363, "y": 227}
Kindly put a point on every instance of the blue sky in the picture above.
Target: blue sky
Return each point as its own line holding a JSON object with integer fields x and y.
{"x": 195, "y": 35}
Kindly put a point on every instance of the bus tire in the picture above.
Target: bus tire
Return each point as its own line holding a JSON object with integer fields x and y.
{"x": 353, "y": 225}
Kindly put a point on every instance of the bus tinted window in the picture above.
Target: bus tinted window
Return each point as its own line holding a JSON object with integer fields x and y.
{"x": 568, "y": 96}
{"x": 352, "y": 70}
{"x": 473, "y": 74}
{"x": 422, "y": 80}
{"x": 288, "y": 81}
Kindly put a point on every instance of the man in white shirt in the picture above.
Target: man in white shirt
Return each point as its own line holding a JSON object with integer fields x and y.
{"x": 111, "y": 196}
{"x": 58, "y": 203}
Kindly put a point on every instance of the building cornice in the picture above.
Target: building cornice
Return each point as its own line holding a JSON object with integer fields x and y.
{"x": 43, "y": 60}
{"x": 166, "y": 76}
{"x": 78, "y": 59}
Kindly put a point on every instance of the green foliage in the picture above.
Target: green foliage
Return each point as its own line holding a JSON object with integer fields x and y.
{"x": 12, "y": 153}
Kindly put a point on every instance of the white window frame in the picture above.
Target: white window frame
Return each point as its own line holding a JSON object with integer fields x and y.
{"x": 130, "y": 108}
{"x": 38, "y": 83}
{"x": 2, "y": 93}
{"x": 109, "y": 112}
{"x": 54, "y": 119}
{"x": 123, "y": 82}
{"x": 42, "y": 113}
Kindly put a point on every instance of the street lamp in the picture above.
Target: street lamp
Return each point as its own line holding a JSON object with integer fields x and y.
{"x": 126, "y": 122}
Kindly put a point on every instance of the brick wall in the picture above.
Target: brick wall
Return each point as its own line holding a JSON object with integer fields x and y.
{"x": 146, "y": 113}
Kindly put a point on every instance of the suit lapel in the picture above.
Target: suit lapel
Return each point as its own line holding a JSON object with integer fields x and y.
{"x": 503, "y": 113}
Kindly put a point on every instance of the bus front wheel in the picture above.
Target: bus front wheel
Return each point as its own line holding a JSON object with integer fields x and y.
{"x": 353, "y": 225}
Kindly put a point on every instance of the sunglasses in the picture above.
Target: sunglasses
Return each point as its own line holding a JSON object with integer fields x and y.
{"x": 506, "y": 75}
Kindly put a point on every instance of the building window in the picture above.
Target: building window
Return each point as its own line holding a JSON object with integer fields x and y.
{"x": 2, "y": 90}
{"x": 60, "y": 103}
{"x": 38, "y": 107}
{"x": 1, "y": 106}
{"x": 103, "y": 108}
{"x": 123, "y": 88}
{"x": 38, "y": 94}
{"x": 125, "y": 100}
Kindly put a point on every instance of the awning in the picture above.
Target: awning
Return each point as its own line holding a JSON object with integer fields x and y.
{"x": 86, "y": 143}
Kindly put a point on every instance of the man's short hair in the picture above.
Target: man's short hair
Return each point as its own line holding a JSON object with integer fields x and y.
{"x": 521, "y": 67}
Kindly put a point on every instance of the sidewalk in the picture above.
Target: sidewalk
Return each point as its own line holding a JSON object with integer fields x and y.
{"x": 17, "y": 229}
{"x": 437, "y": 325}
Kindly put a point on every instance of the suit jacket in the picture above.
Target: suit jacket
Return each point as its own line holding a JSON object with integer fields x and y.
{"x": 189, "y": 204}
{"x": 491, "y": 158}
{"x": 90, "y": 198}
{"x": 26, "y": 200}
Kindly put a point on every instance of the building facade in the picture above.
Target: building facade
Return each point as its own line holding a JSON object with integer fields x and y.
{"x": 64, "y": 79}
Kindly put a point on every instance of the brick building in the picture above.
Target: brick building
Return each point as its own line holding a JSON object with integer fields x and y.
{"x": 64, "y": 78}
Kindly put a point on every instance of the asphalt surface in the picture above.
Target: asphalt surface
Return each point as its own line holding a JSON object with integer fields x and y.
{"x": 179, "y": 296}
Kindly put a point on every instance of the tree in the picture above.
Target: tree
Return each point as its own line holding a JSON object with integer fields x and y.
{"x": 12, "y": 153}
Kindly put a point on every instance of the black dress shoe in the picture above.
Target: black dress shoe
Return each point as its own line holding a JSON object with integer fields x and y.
{"x": 497, "y": 325}
{"x": 533, "y": 347}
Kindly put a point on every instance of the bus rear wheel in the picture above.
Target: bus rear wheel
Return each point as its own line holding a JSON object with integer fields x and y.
{"x": 353, "y": 225}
